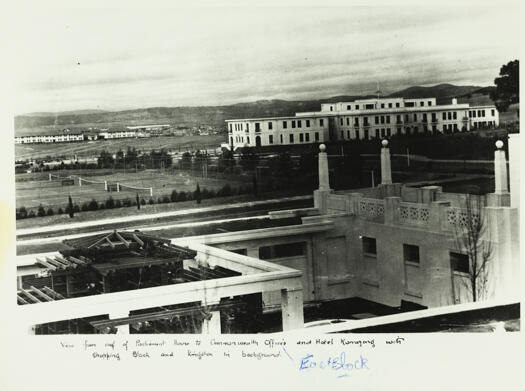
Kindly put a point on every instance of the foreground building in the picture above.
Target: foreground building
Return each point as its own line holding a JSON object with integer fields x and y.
{"x": 390, "y": 244}
{"x": 362, "y": 119}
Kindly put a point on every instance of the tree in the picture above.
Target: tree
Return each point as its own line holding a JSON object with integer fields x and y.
{"x": 507, "y": 86}
{"x": 470, "y": 239}
{"x": 197, "y": 194}
{"x": 70, "y": 208}
{"x": 41, "y": 211}
{"x": 138, "y": 201}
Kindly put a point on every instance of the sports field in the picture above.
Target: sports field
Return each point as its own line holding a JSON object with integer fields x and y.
{"x": 53, "y": 193}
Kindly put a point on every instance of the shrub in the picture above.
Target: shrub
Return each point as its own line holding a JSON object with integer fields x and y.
{"x": 93, "y": 205}
{"x": 225, "y": 191}
{"x": 151, "y": 201}
{"x": 21, "y": 213}
{"x": 110, "y": 203}
{"x": 50, "y": 212}
{"x": 41, "y": 211}
{"x": 126, "y": 202}
{"x": 31, "y": 214}
{"x": 166, "y": 199}
{"x": 142, "y": 201}
{"x": 101, "y": 206}
{"x": 60, "y": 211}
{"x": 173, "y": 196}
{"x": 118, "y": 204}
{"x": 197, "y": 194}
{"x": 85, "y": 207}
{"x": 181, "y": 197}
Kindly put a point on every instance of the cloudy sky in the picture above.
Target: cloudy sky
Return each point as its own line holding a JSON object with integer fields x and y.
{"x": 122, "y": 59}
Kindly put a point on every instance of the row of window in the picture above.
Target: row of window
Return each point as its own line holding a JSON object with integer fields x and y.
{"x": 373, "y": 106}
{"x": 303, "y": 138}
{"x": 293, "y": 123}
{"x": 458, "y": 262}
{"x": 387, "y": 132}
{"x": 386, "y": 119}
{"x": 480, "y": 113}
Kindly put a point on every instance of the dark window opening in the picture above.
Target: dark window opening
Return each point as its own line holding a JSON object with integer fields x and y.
{"x": 369, "y": 246}
{"x": 411, "y": 253}
{"x": 283, "y": 250}
{"x": 459, "y": 262}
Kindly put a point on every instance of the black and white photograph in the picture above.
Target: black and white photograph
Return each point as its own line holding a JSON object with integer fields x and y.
{"x": 348, "y": 172}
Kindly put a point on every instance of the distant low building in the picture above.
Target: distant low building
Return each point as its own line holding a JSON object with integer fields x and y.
{"x": 49, "y": 138}
{"x": 117, "y": 134}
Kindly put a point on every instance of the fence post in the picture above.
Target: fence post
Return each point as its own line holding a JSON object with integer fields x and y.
{"x": 151, "y": 191}
{"x": 79, "y": 181}
{"x": 118, "y": 187}
{"x": 49, "y": 176}
{"x": 106, "y": 185}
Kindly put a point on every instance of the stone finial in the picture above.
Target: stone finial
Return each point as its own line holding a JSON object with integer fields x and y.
{"x": 384, "y": 143}
{"x": 499, "y": 144}
{"x": 322, "y": 148}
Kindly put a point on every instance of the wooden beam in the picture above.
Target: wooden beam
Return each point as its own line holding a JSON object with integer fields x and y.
{"x": 65, "y": 261}
{"x": 99, "y": 241}
{"x": 41, "y": 294}
{"x": 30, "y": 296}
{"x": 45, "y": 264}
{"x": 51, "y": 292}
{"x": 83, "y": 258}
{"x": 77, "y": 261}
{"x": 21, "y": 300}
{"x": 55, "y": 263}
{"x": 110, "y": 242}
{"x": 138, "y": 240}
{"x": 126, "y": 243}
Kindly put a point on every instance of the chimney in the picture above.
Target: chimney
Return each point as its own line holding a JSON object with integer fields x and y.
{"x": 500, "y": 169}
{"x": 324, "y": 179}
{"x": 454, "y": 101}
{"x": 386, "y": 172}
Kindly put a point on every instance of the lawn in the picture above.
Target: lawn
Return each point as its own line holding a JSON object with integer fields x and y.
{"x": 41, "y": 191}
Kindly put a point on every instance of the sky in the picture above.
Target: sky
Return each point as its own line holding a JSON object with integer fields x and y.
{"x": 115, "y": 59}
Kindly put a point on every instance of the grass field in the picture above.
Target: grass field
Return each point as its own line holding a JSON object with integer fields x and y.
{"x": 93, "y": 148}
{"x": 32, "y": 193}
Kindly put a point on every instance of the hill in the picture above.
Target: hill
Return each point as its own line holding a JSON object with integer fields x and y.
{"x": 34, "y": 123}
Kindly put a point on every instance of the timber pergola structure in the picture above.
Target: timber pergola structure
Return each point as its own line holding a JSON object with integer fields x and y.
{"x": 206, "y": 275}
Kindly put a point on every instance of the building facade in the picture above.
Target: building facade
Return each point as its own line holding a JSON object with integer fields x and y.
{"x": 362, "y": 119}
{"x": 49, "y": 138}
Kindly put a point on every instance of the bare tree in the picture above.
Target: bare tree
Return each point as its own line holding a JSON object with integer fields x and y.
{"x": 470, "y": 237}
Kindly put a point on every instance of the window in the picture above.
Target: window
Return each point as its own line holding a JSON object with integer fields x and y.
{"x": 365, "y": 119}
{"x": 434, "y": 118}
{"x": 357, "y": 133}
{"x": 282, "y": 250}
{"x": 409, "y": 104}
{"x": 230, "y": 127}
{"x": 281, "y": 138}
{"x": 270, "y": 126}
{"x": 390, "y": 105}
{"x": 247, "y": 126}
{"x": 455, "y": 115}
{"x": 369, "y": 246}
{"x": 257, "y": 127}
{"x": 424, "y": 117}
{"x": 376, "y": 119}
{"x": 291, "y": 139}
{"x": 444, "y": 116}
{"x": 331, "y": 108}
{"x": 388, "y": 132}
{"x": 459, "y": 262}
{"x": 422, "y": 104}
{"x": 301, "y": 138}
{"x": 382, "y": 119}
{"x": 398, "y": 119}
{"x": 348, "y": 107}
{"x": 366, "y": 134}
{"x": 382, "y": 132}
{"x": 370, "y": 106}
{"x": 449, "y": 115}
{"x": 248, "y": 140}
{"x": 411, "y": 253}
{"x": 293, "y": 124}
{"x": 492, "y": 113}
{"x": 285, "y": 125}
{"x": 321, "y": 122}
{"x": 387, "y": 119}
{"x": 342, "y": 134}
{"x": 397, "y": 104}
{"x": 341, "y": 121}
{"x": 348, "y": 121}
{"x": 415, "y": 117}
{"x": 407, "y": 118}
{"x": 377, "y": 133}
{"x": 356, "y": 121}
{"x": 357, "y": 107}
{"x": 316, "y": 136}
{"x": 299, "y": 125}
{"x": 270, "y": 139}
{"x": 348, "y": 134}
{"x": 307, "y": 123}
{"x": 307, "y": 137}
{"x": 382, "y": 105}
{"x": 482, "y": 113}
{"x": 429, "y": 103}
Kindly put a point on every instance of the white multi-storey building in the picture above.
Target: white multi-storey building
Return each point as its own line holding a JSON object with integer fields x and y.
{"x": 362, "y": 119}
{"x": 49, "y": 138}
